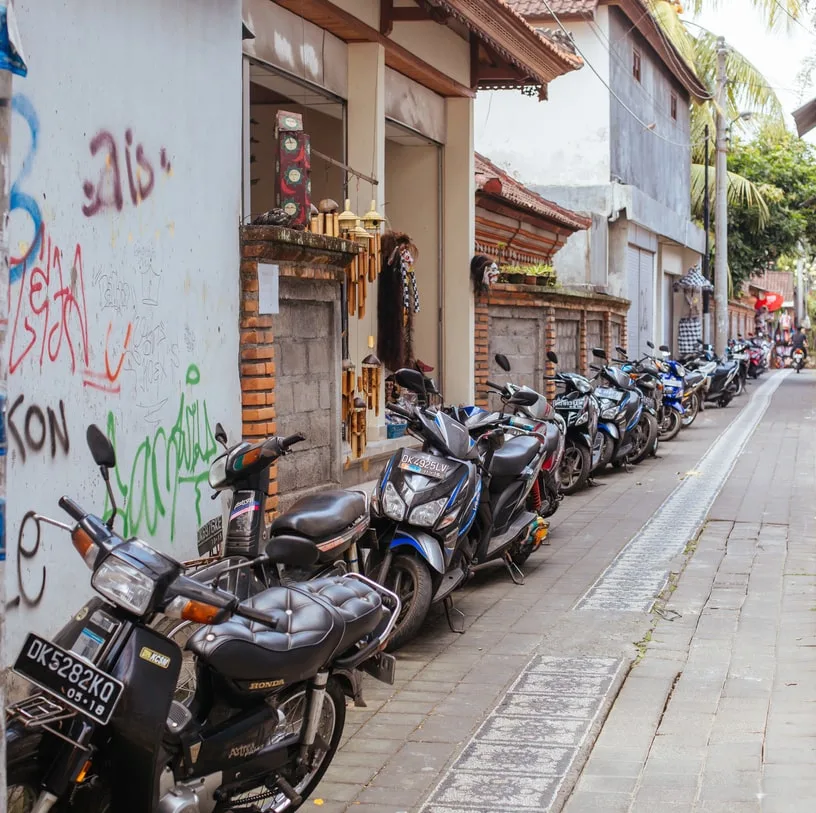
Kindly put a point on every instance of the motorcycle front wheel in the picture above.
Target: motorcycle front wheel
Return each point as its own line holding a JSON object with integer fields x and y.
{"x": 410, "y": 578}
{"x": 574, "y": 467}
{"x": 646, "y": 432}
{"x": 670, "y": 426}
{"x": 691, "y": 410}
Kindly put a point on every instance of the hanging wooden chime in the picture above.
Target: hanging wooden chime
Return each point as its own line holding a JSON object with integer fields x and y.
{"x": 347, "y": 388}
{"x": 372, "y": 372}
{"x": 357, "y": 435}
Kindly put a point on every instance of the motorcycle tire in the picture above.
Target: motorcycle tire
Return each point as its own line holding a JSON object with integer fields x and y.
{"x": 606, "y": 454}
{"x": 691, "y": 411}
{"x": 671, "y": 426}
{"x": 419, "y": 595}
{"x": 647, "y": 441}
{"x": 740, "y": 386}
{"x": 180, "y": 631}
{"x": 798, "y": 370}
{"x": 576, "y": 462}
{"x": 724, "y": 400}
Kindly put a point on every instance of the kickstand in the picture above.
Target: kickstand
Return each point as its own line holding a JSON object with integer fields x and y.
{"x": 513, "y": 569}
{"x": 449, "y": 610}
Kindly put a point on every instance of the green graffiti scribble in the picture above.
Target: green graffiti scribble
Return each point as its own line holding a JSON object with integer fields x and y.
{"x": 172, "y": 457}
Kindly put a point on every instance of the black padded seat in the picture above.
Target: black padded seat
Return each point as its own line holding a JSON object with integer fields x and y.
{"x": 308, "y": 627}
{"x": 694, "y": 377}
{"x": 321, "y": 516}
{"x": 514, "y": 456}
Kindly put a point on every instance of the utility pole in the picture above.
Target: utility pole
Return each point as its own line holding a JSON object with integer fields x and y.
{"x": 721, "y": 209}
{"x": 707, "y": 255}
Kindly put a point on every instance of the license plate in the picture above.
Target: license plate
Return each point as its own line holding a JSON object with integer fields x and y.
{"x": 566, "y": 403}
{"x": 69, "y": 677}
{"x": 612, "y": 395}
{"x": 427, "y": 465}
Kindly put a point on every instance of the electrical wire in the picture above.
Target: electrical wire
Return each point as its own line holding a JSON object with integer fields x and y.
{"x": 795, "y": 19}
{"x": 649, "y": 127}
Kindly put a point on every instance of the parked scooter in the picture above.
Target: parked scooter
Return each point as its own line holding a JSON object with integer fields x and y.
{"x": 101, "y": 731}
{"x": 579, "y": 408}
{"x": 721, "y": 375}
{"x": 627, "y": 429}
{"x": 332, "y": 521}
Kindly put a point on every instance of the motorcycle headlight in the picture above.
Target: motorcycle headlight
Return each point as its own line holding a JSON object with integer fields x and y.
{"x": 124, "y": 585}
{"x": 582, "y": 418}
{"x": 392, "y": 504}
{"x": 426, "y": 515}
{"x": 608, "y": 414}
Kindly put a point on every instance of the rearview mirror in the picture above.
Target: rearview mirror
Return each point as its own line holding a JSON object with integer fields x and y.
{"x": 620, "y": 350}
{"x": 552, "y": 356}
{"x": 599, "y": 353}
{"x": 665, "y": 348}
{"x": 221, "y": 435}
{"x": 502, "y": 361}
{"x": 412, "y": 380}
{"x": 650, "y": 345}
{"x": 101, "y": 448}
{"x": 594, "y": 367}
{"x": 292, "y": 551}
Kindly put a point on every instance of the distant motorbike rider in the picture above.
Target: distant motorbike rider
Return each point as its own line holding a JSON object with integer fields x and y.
{"x": 799, "y": 341}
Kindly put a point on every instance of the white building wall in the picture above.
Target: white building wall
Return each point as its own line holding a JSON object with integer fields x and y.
{"x": 564, "y": 140}
{"x": 126, "y": 150}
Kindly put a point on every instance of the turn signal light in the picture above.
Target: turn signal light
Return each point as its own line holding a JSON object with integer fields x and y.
{"x": 85, "y": 546}
{"x": 196, "y": 611}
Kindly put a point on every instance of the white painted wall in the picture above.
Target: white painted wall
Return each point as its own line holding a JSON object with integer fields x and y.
{"x": 564, "y": 140}
{"x": 126, "y": 143}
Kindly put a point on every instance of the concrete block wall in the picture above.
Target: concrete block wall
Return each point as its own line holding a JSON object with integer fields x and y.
{"x": 523, "y": 323}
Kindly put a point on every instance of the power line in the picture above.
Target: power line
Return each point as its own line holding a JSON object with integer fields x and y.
{"x": 646, "y": 126}
{"x": 795, "y": 19}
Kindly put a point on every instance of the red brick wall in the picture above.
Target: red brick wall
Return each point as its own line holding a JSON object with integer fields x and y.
{"x": 507, "y": 295}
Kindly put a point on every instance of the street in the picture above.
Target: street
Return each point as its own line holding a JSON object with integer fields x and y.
{"x": 573, "y": 692}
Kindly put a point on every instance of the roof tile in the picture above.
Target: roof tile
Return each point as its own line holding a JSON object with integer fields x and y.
{"x": 537, "y": 8}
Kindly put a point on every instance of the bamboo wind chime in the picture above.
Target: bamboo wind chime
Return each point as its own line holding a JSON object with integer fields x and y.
{"x": 360, "y": 392}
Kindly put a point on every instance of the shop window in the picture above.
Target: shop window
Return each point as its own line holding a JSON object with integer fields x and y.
{"x": 636, "y": 64}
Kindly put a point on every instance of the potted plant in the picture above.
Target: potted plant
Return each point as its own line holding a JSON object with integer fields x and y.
{"x": 514, "y": 274}
{"x": 542, "y": 274}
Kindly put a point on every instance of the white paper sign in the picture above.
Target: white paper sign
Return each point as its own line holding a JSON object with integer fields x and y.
{"x": 267, "y": 288}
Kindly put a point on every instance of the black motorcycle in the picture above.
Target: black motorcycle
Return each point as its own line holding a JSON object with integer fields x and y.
{"x": 577, "y": 405}
{"x": 333, "y": 521}
{"x": 456, "y": 504}
{"x": 101, "y": 732}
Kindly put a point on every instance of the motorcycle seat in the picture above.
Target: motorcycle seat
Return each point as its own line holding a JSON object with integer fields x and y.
{"x": 514, "y": 456}
{"x": 309, "y": 624}
{"x": 321, "y": 516}
{"x": 693, "y": 378}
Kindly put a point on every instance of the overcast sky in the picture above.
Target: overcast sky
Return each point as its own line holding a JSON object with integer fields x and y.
{"x": 779, "y": 54}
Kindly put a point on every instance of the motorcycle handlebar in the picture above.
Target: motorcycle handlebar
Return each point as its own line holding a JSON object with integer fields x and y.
{"x": 71, "y": 508}
{"x": 494, "y": 386}
{"x": 398, "y": 410}
{"x": 291, "y": 440}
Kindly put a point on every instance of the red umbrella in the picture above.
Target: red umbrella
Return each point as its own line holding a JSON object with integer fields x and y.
{"x": 772, "y": 301}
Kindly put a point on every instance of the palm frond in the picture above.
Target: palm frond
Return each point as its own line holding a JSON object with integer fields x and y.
{"x": 775, "y": 13}
{"x": 673, "y": 28}
{"x": 741, "y": 192}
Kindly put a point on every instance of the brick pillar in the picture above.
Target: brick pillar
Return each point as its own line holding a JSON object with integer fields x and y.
{"x": 607, "y": 332}
{"x": 582, "y": 342}
{"x": 549, "y": 344}
{"x": 257, "y": 370}
{"x": 481, "y": 349}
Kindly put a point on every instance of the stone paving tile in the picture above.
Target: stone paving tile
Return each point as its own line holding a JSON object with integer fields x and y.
{"x": 737, "y": 734}
{"x": 438, "y": 671}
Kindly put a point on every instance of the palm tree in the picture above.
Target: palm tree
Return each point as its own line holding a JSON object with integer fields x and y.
{"x": 747, "y": 90}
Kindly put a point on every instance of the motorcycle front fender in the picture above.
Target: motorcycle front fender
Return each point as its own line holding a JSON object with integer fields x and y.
{"x": 424, "y": 544}
{"x": 610, "y": 429}
{"x": 677, "y": 407}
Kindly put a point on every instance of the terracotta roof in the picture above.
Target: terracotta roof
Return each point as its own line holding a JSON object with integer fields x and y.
{"x": 779, "y": 282}
{"x": 567, "y": 8}
{"x": 639, "y": 12}
{"x": 494, "y": 181}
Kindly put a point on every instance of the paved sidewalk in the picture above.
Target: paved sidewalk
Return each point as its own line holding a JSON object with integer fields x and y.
{"x": 719, "y": 716}
{"x": 454, "y": 693}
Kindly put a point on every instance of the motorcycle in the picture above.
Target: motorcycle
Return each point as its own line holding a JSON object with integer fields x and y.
{"x": 798, "y": 359}
{"x": 721, "y": 375}
{"x": 627, "y": 429}
{"x": 333, "y": 521}
{"x": 578, "y": 406}
{"x": 101, "y": 732}
{"x": 455, "y": 505}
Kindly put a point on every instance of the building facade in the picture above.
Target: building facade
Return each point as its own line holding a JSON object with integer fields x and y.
{"x": 612, "y": 142}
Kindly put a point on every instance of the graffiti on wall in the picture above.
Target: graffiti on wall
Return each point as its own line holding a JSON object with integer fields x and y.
{"x": 33, "y": 429}
{"x": 107, "y": 191}
{"x": 49, "y": 319}
{"x": 170, "y": 459}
